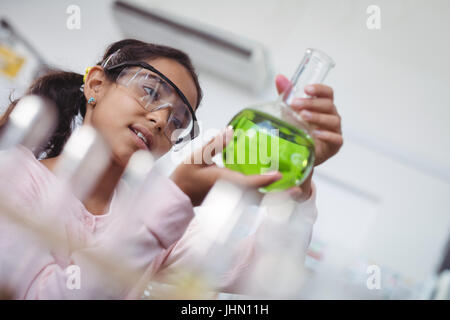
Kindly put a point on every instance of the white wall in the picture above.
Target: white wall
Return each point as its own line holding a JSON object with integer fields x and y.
{"x": 386, "y": 194}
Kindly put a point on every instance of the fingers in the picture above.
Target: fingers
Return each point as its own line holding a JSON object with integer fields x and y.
{"x": 282, "y": 83}
{"x": 262, "y": 180}
{"x": 251, "y": 181}
{"x": 204, "y": 155}
{"x": 328, "y": 136}
{"x": 198, "y": 187}
{"x": 320, "y": 91}
{"x": 324, "y": 105}
{"x": 296, "y": 193}
{"x": 314, "y": 90}
{"x": 216, "y": 144}
{"x": 324, "y": 121}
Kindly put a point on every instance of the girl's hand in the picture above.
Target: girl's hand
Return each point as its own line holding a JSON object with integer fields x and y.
{"x": 198, "y": 173}
{"x": 321, "y": 113}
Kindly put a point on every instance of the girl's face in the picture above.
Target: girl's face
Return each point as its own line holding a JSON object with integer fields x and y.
{"x": 117, "y": 114}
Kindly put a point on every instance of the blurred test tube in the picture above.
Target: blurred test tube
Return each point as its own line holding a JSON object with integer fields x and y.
{"x": 29, "y": 124}
{"x": 81, "y": 164}
{"x": 78, "y": 169}
{"x": 278, "y": 271}
{"x": 138, "y": 168}
{"x": 83, "y": 160}
{"x": 228, "y": 214}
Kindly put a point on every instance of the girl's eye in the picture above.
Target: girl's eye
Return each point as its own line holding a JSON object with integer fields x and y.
{"x": 152, "y": 93}
{"x": 177, "y": 123}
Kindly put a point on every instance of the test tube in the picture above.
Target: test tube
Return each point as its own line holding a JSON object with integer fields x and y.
{"x": 83, "y": 160}
{"x": 227, "y": 215}
{"x": 30, "y": 123}
{"x": 137, "y": 170}
{"x": 278, "y": 271}
{"x": 132, "y": 182}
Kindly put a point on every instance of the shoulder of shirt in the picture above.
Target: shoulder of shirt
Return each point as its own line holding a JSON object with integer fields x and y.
{"x": 32, "y": 173}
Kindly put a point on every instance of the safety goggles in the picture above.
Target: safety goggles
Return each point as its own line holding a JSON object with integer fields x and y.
{"x": 154, "y": 91}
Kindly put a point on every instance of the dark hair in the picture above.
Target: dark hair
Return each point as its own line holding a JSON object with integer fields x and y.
{"x": 63, "y": 88}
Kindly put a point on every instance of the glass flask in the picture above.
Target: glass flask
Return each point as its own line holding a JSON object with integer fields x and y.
{"x": 271, "y": 136}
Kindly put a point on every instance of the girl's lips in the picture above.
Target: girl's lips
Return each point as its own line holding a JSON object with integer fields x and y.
{"x": 145, "y": 132}
{"x": 138, "y": 141}
{"x": 142, "y": 136}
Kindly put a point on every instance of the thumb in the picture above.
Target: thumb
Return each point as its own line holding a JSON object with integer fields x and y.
{"x": 203, "y": 156}
{"x": 282, "y": 83}
{"x": 262, "y": 180}
{"x": 250, "y": 181}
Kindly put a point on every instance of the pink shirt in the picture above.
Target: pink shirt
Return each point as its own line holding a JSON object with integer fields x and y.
{"x": 150, "y": 240}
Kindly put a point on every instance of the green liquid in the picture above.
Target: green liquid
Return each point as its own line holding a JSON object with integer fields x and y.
{"x": 256, "y": 149}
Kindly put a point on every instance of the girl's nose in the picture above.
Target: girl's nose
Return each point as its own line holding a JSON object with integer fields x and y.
{"x": 159, "y": 118}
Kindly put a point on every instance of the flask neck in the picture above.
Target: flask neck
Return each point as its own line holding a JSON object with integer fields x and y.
{"x": 313, "y": 69}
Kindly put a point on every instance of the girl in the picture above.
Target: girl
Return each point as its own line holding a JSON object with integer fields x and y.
{"x": 118, "y": 98}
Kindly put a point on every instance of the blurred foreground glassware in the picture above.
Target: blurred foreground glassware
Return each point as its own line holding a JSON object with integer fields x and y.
{"x": 227, "y": 215}
{"x": 30, "y": 124}
{"x": 278, "y": 271}
{"x": 83, "y": 160}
